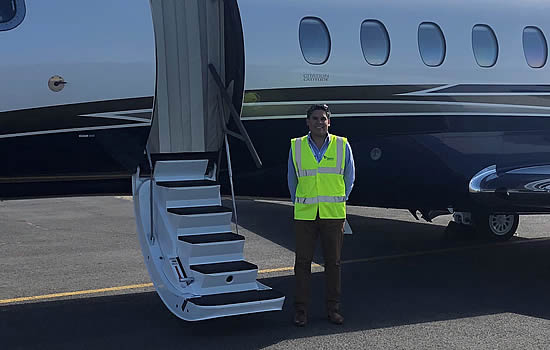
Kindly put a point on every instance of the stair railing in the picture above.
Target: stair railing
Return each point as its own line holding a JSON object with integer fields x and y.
{"x": 151, "y": 201}
{"x": 231, "y": 182}
{"x": 243, "y": 136}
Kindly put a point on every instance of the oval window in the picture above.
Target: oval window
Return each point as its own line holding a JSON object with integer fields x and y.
{"x": 12, "y": 13}
{"x": 431, "y": 44}
{"x": 7, "y": 10}
{"x": 314, "y": 40}
{"x": 375, "y": 42}
{"x": 535, "y": 47}
{"x": 485, "y": 45}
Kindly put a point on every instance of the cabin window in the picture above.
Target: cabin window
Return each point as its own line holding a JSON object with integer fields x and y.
{"x": 12, "y": 13}
{"x": 431, "y": 44}
{"x": 485, "y": 45}
{"x": 375, "y": 42}
{"x": 314, "y": 40}
{"x": 7, "y": 10}
{"x": 535, "y": 47}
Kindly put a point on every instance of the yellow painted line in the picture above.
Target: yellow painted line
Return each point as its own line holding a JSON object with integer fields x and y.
{"x": 278, "y": 269}
{"x": 264, "y": 271}
{"x": 114, "y": 289}
{"x": 79, "y": 292}
{"x": 283, "y": 269}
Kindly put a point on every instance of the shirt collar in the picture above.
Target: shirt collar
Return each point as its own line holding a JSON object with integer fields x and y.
{"x": 311, "y": 140}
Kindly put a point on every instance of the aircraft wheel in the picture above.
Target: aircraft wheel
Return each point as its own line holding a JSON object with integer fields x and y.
{"x": 499, "y": 227}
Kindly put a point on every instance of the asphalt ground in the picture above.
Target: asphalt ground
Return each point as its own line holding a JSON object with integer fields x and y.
{"x": 407, "y": 284}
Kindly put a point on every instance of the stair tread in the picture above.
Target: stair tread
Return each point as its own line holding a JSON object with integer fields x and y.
{"x": 156, "y": 157}
{"x": 229, "y": 266}
{"x": 211, "y": 238}
{"x": 200, "y": 210}
{"x": 236, "y": 297}
{"x": 191, "y": 183}
{"x": 209, "y": 157}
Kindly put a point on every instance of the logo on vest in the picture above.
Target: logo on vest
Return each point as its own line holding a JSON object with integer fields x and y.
{"x": 328, "y": 158}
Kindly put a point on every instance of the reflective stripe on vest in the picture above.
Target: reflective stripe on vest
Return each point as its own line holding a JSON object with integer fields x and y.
{"x": 319, "y": 199}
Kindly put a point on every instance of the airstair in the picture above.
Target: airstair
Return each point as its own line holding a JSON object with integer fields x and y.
{"x": 194, "y": 259}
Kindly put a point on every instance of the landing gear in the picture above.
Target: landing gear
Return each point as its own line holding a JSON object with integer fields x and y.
{"x": 499, "y": 227}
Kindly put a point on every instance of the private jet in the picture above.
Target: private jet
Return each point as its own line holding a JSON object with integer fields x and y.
{"x": 445, "y": 104}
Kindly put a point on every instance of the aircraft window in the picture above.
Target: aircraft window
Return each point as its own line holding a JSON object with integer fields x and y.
{"x": 485, "y": 45}
{"x": 7, "y": 10}
{"x": 12, "y": 13}
{"x": 431, "y": 44}
{"x": 375, "y": 42}
{"x": 314, "y": 40}
{"x": 534, "y": 47}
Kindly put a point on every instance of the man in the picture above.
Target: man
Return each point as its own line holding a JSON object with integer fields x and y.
{"x": 321, "y": 173}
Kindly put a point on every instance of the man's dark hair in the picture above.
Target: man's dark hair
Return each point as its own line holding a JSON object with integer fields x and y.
{"x": 318, "y": 107}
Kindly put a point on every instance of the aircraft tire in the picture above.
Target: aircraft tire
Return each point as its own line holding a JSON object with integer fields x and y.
{"x": 498, "y": 227}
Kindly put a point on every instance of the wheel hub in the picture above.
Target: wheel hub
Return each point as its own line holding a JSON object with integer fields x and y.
{"x": 501, "y": 224}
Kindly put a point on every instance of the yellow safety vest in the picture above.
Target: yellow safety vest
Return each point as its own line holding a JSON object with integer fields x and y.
{"x": 321, "y": 188}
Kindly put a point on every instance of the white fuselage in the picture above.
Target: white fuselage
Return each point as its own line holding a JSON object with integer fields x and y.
{"x": 274, "y": 58}
{"x": 103, "y": 52}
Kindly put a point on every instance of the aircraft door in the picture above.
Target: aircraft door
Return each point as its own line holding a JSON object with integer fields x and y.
{"x": 78, "y": 88}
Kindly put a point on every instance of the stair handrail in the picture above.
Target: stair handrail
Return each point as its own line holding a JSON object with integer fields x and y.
{"x": 151, "y": 201}
{"x": 230, "y": 170}
{"x": 236, "y": 117}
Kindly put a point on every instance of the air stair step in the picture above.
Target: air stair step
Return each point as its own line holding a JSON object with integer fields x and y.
{"x": 236, "y": 297}
{"x": 211, "y": 156}
{"x": 181, "y": 170}
{"x": 186, "y": 194}
{"x": 223, "y": 277}
{"x": 200, "y": 220}
{"x": 224, "y": 267}
{"x": 206, "y": 248}
{"x": 211, "y": 238}
{"x": 200, "y": 210}
{"x": 236, "y": 303}
{"x": 191, "y": 183}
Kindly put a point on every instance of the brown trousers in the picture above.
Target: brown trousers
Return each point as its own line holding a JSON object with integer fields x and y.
{"x": 332, "y": 235}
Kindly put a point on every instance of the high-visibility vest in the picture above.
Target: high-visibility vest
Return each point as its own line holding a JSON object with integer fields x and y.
{"x": 321, "y": 187}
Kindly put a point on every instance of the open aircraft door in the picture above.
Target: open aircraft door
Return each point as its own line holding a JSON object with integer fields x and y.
{"x": 194, "y": 258}
{"x": 77, "y": 96}
{"x": 200, "y": 83}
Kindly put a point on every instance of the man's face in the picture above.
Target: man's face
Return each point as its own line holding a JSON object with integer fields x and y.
{"x": 318, "y": 123}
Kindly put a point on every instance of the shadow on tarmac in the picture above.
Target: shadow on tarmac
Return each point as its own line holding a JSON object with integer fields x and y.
{"x": 372, "y": 236}
{"x": 484, "y": 281}
{"x": 448, "y": 285}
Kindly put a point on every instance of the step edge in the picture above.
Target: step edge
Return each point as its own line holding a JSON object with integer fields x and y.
{"x": 181, "y": 238}
{"x": 234, "y": 272}
{"x": 201, "y": 214}
{"x": 241, "y": 303}
{"x": 213, "y": 243}
{"x": 159, "y": 184}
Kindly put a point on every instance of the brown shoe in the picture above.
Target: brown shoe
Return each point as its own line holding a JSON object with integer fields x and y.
{"x": 300, "y": 318}
{"x": 335, "y": 317}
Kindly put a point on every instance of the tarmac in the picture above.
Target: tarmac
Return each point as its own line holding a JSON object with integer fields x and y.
{"x": 72, "y": 277}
